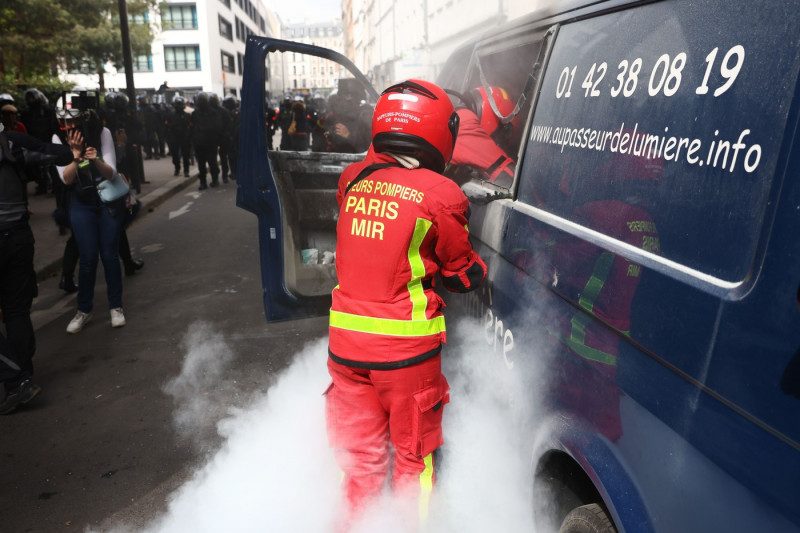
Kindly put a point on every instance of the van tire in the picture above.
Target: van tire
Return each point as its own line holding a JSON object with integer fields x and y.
{"x": 589, "y": 518}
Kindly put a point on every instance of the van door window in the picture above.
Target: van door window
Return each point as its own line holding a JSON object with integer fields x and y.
{"x": 652, "y": 113}
{"x": 493, "y": 106}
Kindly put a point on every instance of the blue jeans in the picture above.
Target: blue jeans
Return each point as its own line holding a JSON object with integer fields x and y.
{"x": 97, "y": 228}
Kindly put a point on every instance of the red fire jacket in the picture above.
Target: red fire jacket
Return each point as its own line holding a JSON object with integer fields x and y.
{"x": 397, "y": 228}
{"x": 474, "y": 147}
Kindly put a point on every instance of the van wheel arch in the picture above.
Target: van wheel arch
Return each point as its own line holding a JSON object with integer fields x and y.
{"x": 563, "y": 490}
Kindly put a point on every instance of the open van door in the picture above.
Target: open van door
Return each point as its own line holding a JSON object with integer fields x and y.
{"x": 292, "y": 193}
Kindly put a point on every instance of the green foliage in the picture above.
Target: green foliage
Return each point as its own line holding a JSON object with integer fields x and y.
{"x": 51, "y": 87}
{"x": 39, "y": 36}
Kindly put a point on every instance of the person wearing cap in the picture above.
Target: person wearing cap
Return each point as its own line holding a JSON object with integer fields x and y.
{"x": 8, "y": 114}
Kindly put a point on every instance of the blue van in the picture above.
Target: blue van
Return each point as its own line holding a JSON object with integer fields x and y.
{"x": 649, "y": 243}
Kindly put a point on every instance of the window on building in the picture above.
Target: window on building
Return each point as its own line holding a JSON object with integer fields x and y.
{"x": 85, "y": 66}
{"x": 180, "y": 17}
{"x": 240, "y": 62}
{"x": 227, "y": 3}
{"x": 227, "y": 63}
{"x": 143, "y": 18}
{"x": 182, "y": 57}
{"x": 225, "y": 29}
{"x": 142, "y": 63}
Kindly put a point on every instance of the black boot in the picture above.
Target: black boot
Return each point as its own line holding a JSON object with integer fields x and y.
{"x": 133, "y": 266}
{"x": 67, "y": 285}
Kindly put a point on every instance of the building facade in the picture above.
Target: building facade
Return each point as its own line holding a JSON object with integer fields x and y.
{"x": 391, "y": 40}
{"x": 305, "y": 75}
{"x": 198, "y": 46}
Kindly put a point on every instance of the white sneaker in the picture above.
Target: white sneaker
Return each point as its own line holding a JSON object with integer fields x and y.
{"x": 77, "y": 323}
{"x": 117, "y": 318}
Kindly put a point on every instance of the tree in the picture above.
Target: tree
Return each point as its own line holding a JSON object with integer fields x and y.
{"x": 32, "y": 34}
{"x": 39, "y": 36}
{"x": 99, "y": 40}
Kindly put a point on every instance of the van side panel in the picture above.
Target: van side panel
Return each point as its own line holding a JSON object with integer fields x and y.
{"x": 650, "y": 261}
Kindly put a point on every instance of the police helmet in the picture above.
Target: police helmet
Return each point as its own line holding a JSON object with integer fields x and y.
{"x": 230, "y": 102}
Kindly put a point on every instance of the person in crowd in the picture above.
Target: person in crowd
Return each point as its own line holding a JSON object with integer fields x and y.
{"x": 8, "y": 115}
{"x": 229, "y": 143}
{"x": 348, "y": 121}
{"x": 285, "y": 116}
{"x": 299, "y": 128}
{"x": 40, "y": 119}
{"x": 6, "y": 98}
{"x": 386, "y": 323}
{"x": 231, "y": 138}
{"x": 151, "y": 118}
{"x": 17, "y": 275}
{"x": 206, "y": 130}
{"x": 317, "y": 111}
{"x": 176, "y": 124}
{"x": 124, "y": 123}
{"x": 271, "y": 123}
{"x": 96, "y": 225}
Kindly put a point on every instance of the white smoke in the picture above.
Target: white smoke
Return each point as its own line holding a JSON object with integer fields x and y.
{"x": 275, "y": 471}
{"x": 199, "y": 390}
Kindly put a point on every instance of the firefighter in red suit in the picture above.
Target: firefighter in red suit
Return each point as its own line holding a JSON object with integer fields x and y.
{"x": 482, "y": 136}
{"x": 400, "y": 223}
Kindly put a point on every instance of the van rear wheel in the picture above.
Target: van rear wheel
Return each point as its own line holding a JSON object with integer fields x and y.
{"x": 589, "y": 518}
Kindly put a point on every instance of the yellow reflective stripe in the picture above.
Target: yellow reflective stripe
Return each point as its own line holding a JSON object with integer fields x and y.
{"x": 425, "y": 488}
{"x": 387, "y": 326}
{"x": 419, "y": 302}
{"x": 577, "y": 337}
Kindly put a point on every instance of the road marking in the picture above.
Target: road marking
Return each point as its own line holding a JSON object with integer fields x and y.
{"x": 182, "y": 211}
{"x": 150, "y": 248}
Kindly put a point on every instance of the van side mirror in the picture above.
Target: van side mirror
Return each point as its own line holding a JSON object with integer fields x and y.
{"x": 483, "y": 192}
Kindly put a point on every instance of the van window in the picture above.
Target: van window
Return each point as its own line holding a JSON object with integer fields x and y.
{"x": 655, "y": 111}
{"x": 505, "y": 66}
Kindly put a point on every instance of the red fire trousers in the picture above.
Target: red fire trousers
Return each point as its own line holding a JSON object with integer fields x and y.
{"x": 367, "y": 410}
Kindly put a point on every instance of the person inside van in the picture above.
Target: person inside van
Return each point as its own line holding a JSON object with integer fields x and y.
{"x": 483, "y": 139}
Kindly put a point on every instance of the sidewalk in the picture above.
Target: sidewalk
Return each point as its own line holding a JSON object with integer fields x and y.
{"x": 50, "y": 245}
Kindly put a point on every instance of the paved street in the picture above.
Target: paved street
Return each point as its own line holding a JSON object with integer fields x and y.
{"x": 100, "y": 442}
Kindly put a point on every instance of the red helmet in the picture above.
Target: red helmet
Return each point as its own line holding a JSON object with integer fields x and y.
{"x": 490, "y": 122}
{"x": 416, "y": 118}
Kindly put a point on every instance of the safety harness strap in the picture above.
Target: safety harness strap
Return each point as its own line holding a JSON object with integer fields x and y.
{"x": 366, "y": 171}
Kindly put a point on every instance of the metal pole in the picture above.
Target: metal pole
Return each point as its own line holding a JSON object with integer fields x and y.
{"x": 126, "y": 53}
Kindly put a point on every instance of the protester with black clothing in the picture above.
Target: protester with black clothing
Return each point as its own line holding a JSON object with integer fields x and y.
{"x": 206, "y": 129}
{"x": 229, "y": 147}
{"x": 176, "y": 125}
{"x": 349, "y": 121}
{"x": 40, "y": 120}
{"x": 17, "y": 276}
{"x": 300, "y": 127}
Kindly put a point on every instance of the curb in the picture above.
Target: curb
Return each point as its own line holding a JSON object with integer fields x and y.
{"x": 149, "y": 202}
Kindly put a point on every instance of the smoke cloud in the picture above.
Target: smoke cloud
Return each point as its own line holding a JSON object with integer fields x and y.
{"x": 275, "y": 472}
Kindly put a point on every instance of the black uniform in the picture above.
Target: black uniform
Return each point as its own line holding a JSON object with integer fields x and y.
{"x": 17, "y": 276}
{"x": 176, "y": 125}
{"x": 206, "y": 129}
